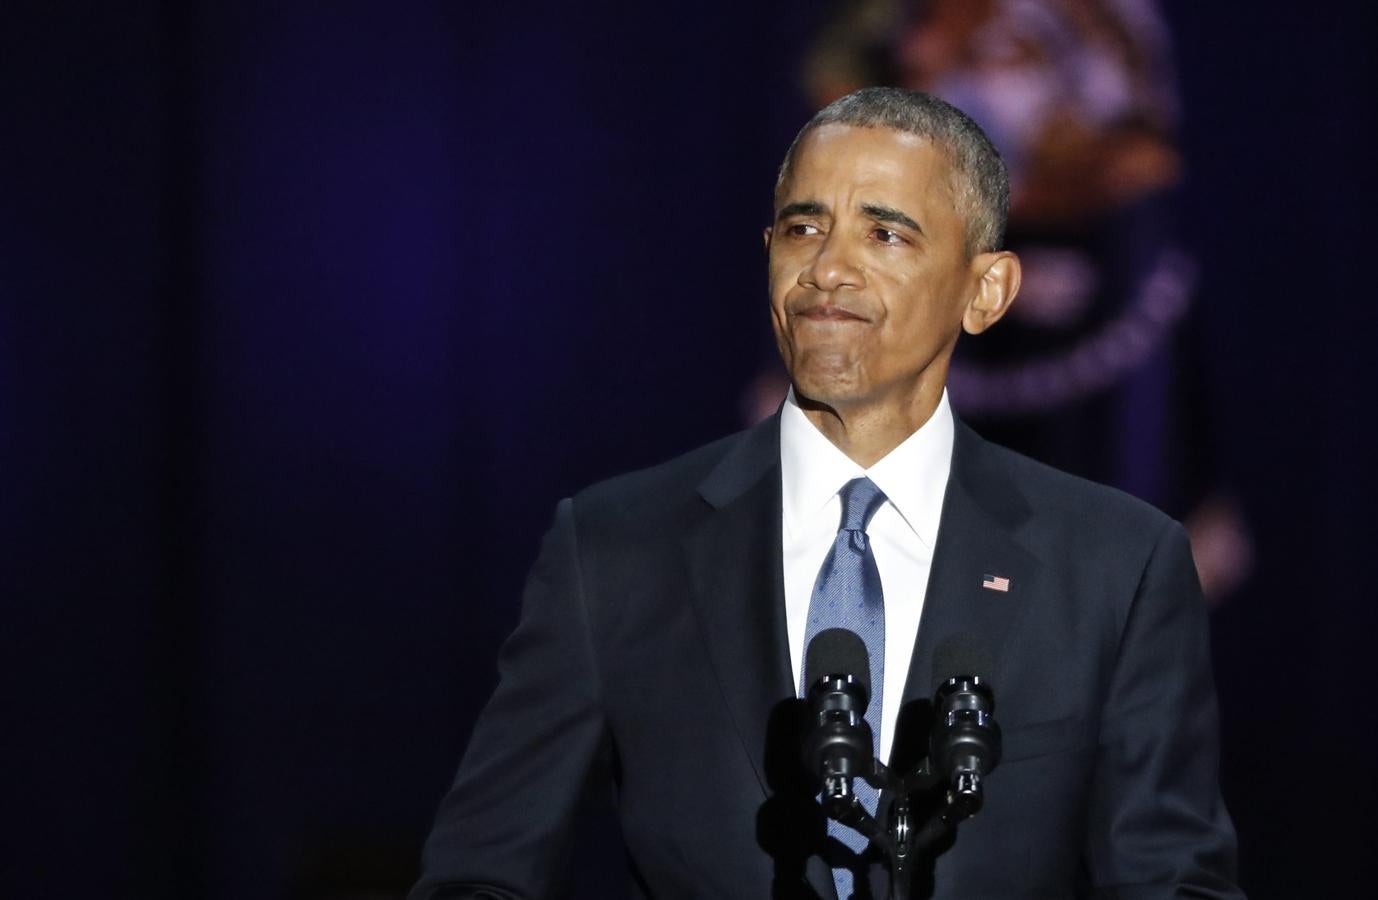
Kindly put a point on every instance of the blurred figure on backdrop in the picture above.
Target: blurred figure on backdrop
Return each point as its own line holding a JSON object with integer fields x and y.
{"x": 661, "y": 651}
{"x": 1100, "y": 369}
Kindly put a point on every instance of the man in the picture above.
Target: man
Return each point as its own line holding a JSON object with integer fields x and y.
{"x": 664, "y": 625}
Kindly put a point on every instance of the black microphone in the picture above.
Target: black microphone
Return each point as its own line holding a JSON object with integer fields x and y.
{"x": 965, "y": 744}
{"x": 837, "y": 669}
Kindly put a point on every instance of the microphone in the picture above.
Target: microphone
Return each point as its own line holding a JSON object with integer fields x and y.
{"x": 965, "y": 743}
{"x": 838, "y": 749}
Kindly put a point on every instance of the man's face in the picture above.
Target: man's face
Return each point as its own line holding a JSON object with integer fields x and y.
{"x": 869, "y": 276}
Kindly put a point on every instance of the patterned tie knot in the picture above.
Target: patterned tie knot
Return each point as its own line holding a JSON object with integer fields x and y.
{"x": 860, "y": 500}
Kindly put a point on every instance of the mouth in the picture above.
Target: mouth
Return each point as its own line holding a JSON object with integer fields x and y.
{"x": 828, "y": 313}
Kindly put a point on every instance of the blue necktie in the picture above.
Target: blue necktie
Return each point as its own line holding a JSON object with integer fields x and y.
{"x": 847, "y": 595}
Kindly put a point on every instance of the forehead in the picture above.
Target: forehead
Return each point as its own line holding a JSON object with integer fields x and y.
{"x": 872, "y": 163}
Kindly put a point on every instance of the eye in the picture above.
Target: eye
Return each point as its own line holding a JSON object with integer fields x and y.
{"x": 887, "y": 236}
{"x": 803, "y": 229}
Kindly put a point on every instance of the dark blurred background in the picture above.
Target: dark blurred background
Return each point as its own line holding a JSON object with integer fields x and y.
{"x": 312, "y": 313}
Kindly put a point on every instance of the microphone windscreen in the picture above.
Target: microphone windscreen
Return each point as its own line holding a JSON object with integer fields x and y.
{"x": 837, "y": 651}
{"x": 962, "y": 653}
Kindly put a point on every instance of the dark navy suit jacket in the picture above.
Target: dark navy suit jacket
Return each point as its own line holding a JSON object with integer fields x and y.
{"x": 651, "y": 659}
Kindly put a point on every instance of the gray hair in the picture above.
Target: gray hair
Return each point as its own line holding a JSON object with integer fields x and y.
{"x": 982, "y": 185}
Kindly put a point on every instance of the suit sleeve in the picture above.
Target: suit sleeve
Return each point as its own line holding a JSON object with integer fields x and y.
{"x": 504, "y": 829}
{"x": 1157, "y": 826}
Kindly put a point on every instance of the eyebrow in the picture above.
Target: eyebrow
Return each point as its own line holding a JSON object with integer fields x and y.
{"x": 887, "y": 214}
{"x": 802, "y": 208}
{"x": 891, "y": 216}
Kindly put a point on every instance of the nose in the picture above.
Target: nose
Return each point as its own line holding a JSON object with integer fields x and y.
{"x": 833, "y": 268}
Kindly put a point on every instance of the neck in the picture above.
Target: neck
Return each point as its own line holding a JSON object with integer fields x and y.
{"x": 867, "y": 432}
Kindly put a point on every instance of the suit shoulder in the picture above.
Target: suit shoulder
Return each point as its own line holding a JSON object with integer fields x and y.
{"x": 1087, "y": 506}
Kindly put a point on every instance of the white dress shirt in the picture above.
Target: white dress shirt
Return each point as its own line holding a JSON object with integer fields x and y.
{"x": 902, "y": 533}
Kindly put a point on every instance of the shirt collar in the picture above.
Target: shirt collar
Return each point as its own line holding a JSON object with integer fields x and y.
{"x": 913, "y": 476}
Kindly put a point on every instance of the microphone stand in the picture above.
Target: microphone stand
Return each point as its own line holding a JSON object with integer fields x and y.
{"x": 965, "y": 745}
{"x": 902, "y": 842}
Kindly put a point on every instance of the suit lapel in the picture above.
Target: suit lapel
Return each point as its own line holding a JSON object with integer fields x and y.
{"x": 982, "y": 510}
{"x": 734, "y": 558}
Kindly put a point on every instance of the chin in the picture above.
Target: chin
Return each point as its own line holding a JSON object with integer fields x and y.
{"x": 830, "y": 389}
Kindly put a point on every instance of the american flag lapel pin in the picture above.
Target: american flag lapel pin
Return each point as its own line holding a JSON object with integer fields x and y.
{"x": 995, "y": 583}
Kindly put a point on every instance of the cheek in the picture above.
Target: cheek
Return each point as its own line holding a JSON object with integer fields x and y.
{"x": 781, "y": 276}
{"x": 777, "y": 314}
{"x": 781, "y": 282}
{"x": 913, "y": 325}
{"x": 777, "y": 301}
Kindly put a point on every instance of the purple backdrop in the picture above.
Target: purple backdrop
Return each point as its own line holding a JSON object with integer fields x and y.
{"x": 310, "y": 318}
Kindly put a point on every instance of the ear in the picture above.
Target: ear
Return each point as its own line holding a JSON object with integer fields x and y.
{"x": 765, "y": 236}
{"x": 998, "y": 275}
